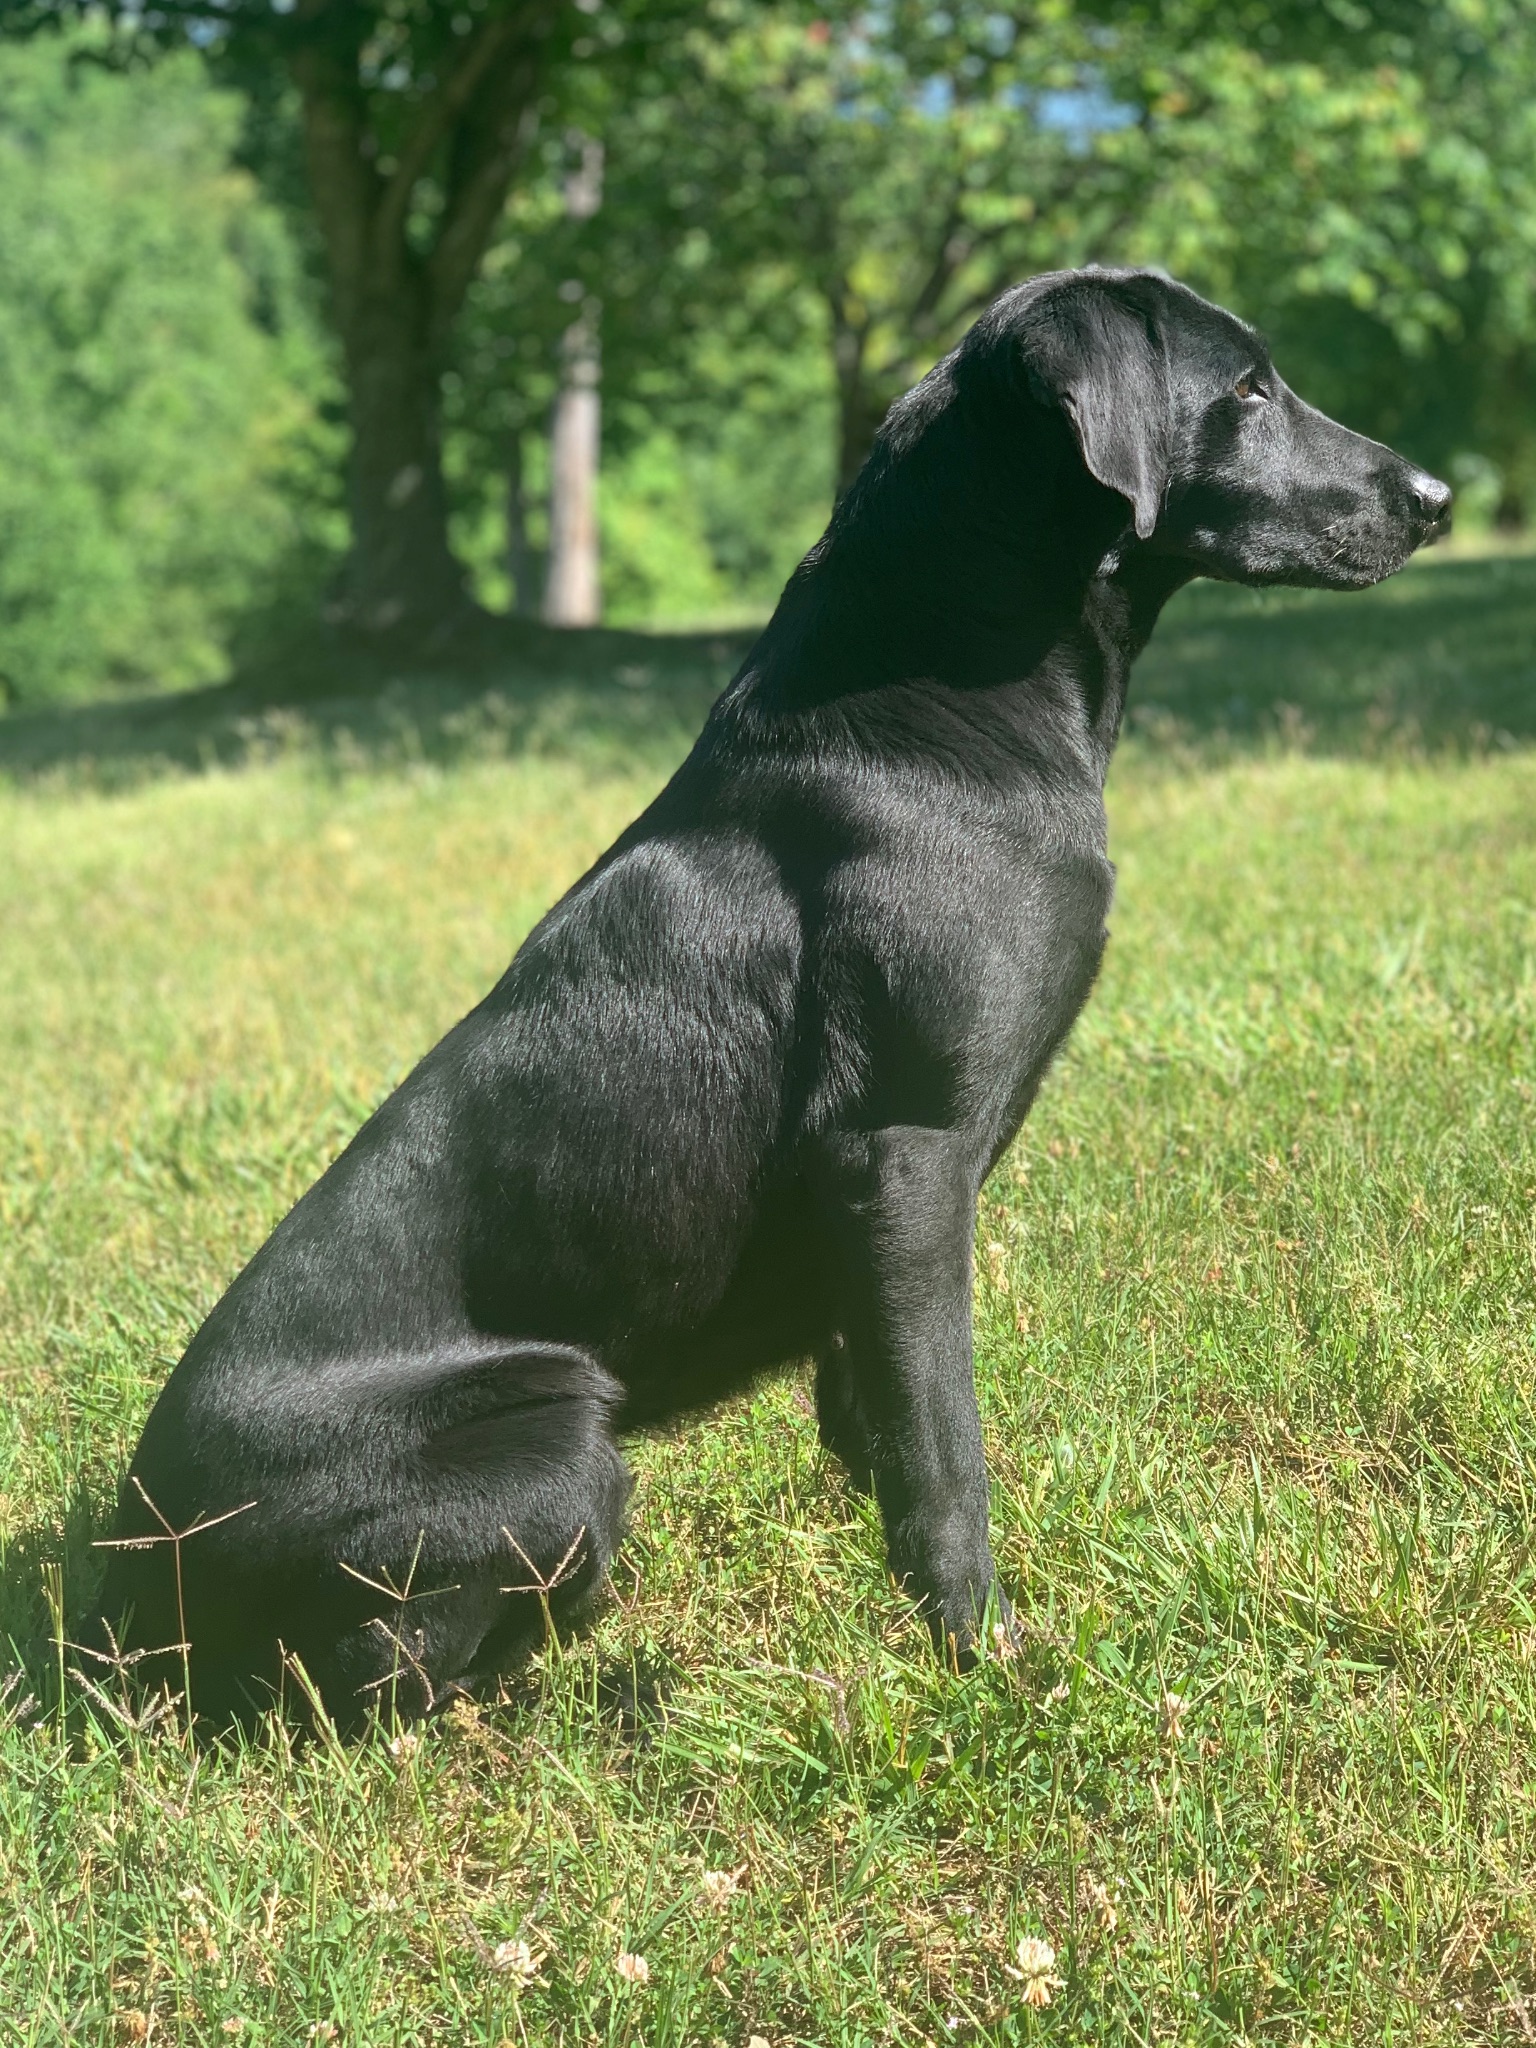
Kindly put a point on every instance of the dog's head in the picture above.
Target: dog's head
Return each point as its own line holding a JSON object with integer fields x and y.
{"x": 1175, "y": 405}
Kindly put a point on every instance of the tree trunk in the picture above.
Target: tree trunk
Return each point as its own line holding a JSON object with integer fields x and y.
{"x": 859, "y": 410}
{"x": 1510, "y": 513}
{"x": 522, "y": 561}
{"x": 400, "y": 567}
{"x": 859, "y": 414}
{"x": 572, "y": 588}
{"x": 396, "y": 291}
{"x": 572, "y": 594}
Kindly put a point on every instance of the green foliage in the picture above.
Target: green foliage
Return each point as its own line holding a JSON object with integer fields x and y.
{"x": 803, "y": 208}
{"x": 1378, "y": 218}
{"x": 1363, "y": 177}
{"x": 415, "y": 122}
{"x": 1255, "y": 1303}
{"x": 716, "y": 469}
{"x": 802, "y": 213}
{"x": 158, "y": 380}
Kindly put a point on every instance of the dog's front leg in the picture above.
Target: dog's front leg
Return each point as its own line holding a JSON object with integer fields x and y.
{"x": 902, "y": 1205}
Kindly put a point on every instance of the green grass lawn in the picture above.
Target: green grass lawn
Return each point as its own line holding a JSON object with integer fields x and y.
{"x": 1255, "y": 1303}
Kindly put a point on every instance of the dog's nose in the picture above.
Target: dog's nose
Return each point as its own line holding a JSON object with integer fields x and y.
{"x": 1431, "y": 498}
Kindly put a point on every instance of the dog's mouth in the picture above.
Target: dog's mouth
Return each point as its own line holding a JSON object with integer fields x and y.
{"x": 1435, "y": 529}
{"x": 1370, "y": 544}
{"x": 1340, "y": 536}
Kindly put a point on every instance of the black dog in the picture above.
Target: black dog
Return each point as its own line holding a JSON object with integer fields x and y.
{"x": 732, "y": 1103}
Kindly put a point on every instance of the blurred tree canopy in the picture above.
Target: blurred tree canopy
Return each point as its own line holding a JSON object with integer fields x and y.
{"x": 413, "y": 117}
{"x": 162, "y": 452}
{"x": 1366, "y": 169}
{"x": 805, "y": 205}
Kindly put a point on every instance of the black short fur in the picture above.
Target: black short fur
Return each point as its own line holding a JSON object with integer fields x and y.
{"x": 732, "y": 1103}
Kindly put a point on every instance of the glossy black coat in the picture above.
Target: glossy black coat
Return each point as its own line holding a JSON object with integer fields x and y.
{"x": 732, "y": 1103}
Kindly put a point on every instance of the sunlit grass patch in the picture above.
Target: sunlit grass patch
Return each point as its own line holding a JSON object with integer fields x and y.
{"x": 1254, "y": 1307}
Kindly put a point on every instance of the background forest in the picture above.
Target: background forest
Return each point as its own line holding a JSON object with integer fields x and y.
{"x": 287, "y": 293}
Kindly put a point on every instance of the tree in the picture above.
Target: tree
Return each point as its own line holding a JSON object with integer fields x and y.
{"x": 161, "y": 380}
{"x": 713, "y": 408}
{"x": 903, "y": 165}
{"x": 415, "y": 116}
{"x": 901, "y": 185}
{"x": 389, "y": 107}
{"x": 1410, "y": 307}
{"x": 572, "y": 595}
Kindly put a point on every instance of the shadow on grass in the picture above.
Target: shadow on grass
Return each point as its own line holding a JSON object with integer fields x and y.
{"x": 350, "y": 702}
{"x": 50, "y": 1574}
{"x": 1441, "y": 658}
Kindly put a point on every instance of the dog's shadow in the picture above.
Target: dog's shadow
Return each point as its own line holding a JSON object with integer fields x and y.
{"x": 50, "y": 1572}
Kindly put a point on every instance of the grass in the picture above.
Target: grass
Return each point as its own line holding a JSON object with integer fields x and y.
{"x": 1255, "y": 1314}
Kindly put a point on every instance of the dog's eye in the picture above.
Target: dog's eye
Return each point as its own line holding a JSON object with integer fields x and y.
{"x": 1248, "y": 386}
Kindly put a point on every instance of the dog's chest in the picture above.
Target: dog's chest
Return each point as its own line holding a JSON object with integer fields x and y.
{"x": 949, "y": 969}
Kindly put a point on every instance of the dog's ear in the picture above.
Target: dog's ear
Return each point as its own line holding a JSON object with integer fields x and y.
{"x": 1101, "y": 359}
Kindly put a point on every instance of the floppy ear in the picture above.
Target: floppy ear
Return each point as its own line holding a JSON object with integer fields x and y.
{"x": 1102, "y": 361}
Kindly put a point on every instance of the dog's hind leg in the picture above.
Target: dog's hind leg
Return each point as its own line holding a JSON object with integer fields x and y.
{"x": 412, "y": 1536}
{"x": 509, "y": 1529}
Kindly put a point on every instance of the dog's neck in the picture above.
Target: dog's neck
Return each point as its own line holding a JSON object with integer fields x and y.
{"x": 1119, "y": 610}
{"x": 977, "y": 563}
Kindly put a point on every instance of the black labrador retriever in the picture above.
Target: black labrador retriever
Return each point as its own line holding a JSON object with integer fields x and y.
{"x": 731, "y": 1105}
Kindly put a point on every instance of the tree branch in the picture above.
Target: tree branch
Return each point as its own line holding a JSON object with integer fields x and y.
{"x": 925, "y": 305}
{"x": 438, "y": 114}
{"x": 945, "y": 264}
{"x": 343, "y": 181}
{"x": 491, "y": 137}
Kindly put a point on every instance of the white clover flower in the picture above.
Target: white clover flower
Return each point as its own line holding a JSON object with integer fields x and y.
{"x": 515, "y": 1959}
{"x": 1036, "y": 1971}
